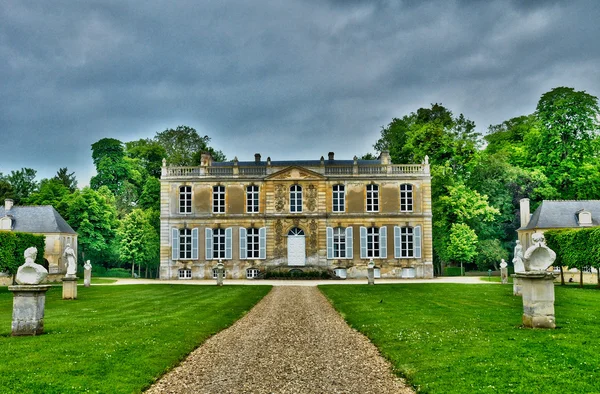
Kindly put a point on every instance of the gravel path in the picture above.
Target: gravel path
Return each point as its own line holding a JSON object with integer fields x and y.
{"x": 292, "y": 341}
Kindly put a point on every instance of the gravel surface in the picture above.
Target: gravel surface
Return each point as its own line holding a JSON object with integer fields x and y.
{"x": 292, "y": 341}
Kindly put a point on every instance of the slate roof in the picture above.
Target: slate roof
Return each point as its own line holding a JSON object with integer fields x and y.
{"x": 563, "y": 214}
{"x": 37, "y": 219}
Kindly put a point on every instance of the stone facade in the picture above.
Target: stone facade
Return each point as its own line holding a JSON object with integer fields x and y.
{"x": 320, "y": 214}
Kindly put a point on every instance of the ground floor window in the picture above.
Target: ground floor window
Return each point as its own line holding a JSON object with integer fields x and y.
{"x": 185, "y": 274}
{"x": 340, "y": 273}
{"x": 376, "y": 273}
{"x": 252, "y": 273}
{"x": 214, "y": 273}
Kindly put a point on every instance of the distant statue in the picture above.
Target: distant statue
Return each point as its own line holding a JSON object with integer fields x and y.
{"x": 503, "y": 264}
{"x": 518, "y": 259}
{"x": 87, "y": 265}
{"x": 31, "y": 273}
{"x": 69, "y": 253}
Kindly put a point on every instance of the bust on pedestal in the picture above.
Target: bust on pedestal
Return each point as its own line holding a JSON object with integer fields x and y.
{"x": 70, "y": 279}
{"x": 29, "y": 297}
{"x": 537, "y": 285}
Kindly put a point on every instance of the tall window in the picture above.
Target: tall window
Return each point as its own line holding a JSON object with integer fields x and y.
{"x": 407, "y": 242}
{"x": 372, "y": 242}
{"x": 406, "y": 198}
{"x": 372, "y": 198}
{"x": 339, "y": 242}
{"x": 219, "y": 243}
{"x": 253, "y": 245}
{"x": 185, "y": 243}
{"x": 218, "y": 199}
{"x": 296, "y": 198}
{"x": 185, "y": 199}
{"x": 252, "y": 199}
{"x": 339, "y": 201}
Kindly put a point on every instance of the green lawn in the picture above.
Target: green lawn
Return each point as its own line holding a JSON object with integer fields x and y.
{"x": 115, "y": 339}
{"x": 451, "y": 338}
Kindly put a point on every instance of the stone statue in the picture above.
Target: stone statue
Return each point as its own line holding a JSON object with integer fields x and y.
{"x": 503, "y": 264}
{"x": 31, "y": 273}
{"x": 87, "y": 274}
{"x": 87, "y": 265}
{"x": 518, "y": 259}
{"x": 538, "y": 257}
{"x": 69, "y": 253}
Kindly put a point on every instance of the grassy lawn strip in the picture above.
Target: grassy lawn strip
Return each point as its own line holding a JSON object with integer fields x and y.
{"x": 115, "y": 339}
{"x": 452, "y": 338}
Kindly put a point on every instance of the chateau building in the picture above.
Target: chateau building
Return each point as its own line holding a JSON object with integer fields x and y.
{"x": 307, "y": 215}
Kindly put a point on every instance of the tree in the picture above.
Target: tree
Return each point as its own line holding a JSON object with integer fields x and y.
{"x": 6, "y": 189}
{"x": 149, "y": 152}
{"x": 23, "y": 183}
{"x": 462, "y": 246}
{"x": 184, "y": 146}
{"x": 112, "y": 170}
{"x": 51, "y": 192}
{"x": 138, "y": 240}
{"x": 68, "y": 180}
{"x": 489, "y": 253}
{"x": 150, "y": 197}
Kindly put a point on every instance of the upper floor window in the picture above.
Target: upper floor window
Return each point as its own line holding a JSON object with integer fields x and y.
{"x": 296, "y": 198}
{"x": 339, "y": 243}
{"x": 218, "y": 243}
{"x": 406, "y": 198}
{"x": 218, "y": 199}
{"x": 252, "y": 199}
{"x": 373, "y": 242}
{"x": 185, "y": 199}
{"x": 184, "y": 244}
{"x": 407, "y": 242}
{"x": 372, "y": 198}
{"x": 253, "y": 243}
{"x": 339, "y": 200}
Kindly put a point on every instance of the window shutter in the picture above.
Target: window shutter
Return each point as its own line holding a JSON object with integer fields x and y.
{"x": 363, "y": 242}
{"x": 194, "y": 244}
{"x": 243, "y": 246}
{"x": 349, "y": 243}
{"x": 175, "y": 244}
{"x": 262, "y": 245}
{"x": 329, "y": 242}
{"x": 228, "y": 243}
{"x": 417, "y": 241}
{"x": 383, "y": 242}
{"x": 208, "y": 238}
{"x": 397, "y": 242}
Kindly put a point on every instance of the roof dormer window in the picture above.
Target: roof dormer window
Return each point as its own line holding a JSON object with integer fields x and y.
{"x": 585, "y": 218}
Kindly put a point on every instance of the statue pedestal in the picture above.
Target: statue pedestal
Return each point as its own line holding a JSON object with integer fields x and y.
{"x": 87, "y": 277}
{"x": 371, "y": 275}
{"x": 69, "y": 288}
{"x": 537, "y": 288}
{"x": 516, "y": 285}
{"x": 504, "y": 275}
{"x": 28, "y": 309}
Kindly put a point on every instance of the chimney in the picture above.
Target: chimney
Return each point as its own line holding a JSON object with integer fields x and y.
{"x": 205, "y": 159}
{"x": 8, "y": 204}
{"x": 330, "y": 154}
{"x": 384, "y": 157}
{"x": 525, "y": 213}
{"x": 257, "y": 157}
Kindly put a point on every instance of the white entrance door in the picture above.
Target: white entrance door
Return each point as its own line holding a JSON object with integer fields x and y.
{"x": 296, "y": 247}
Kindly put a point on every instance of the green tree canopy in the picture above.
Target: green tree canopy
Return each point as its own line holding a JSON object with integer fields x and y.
{"x": 22, "y": 183}
{"x": 184, "y": 146}
{"x": 68, "y": 180}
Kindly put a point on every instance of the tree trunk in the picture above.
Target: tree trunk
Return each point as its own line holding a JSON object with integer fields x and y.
{"x": 562, "y": 276}
{"x": 598, "y": 275}
{"x": 580, "y": 278}
{"x": 139, "y": 268}
{"x": 132, "y": 270}
{"x": 146, "y": 271}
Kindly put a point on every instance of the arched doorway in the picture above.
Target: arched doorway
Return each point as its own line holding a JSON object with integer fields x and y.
{"x": 296, "y": 246}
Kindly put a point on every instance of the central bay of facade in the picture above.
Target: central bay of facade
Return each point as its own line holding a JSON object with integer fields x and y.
{"x": 304, "y": 215}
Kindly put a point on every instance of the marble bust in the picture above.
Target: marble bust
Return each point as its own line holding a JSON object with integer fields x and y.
{"x": 30, "y": 273}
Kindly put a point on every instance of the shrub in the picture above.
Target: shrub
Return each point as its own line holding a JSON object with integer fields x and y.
{"x": 453, "y": 271}
{"x": 12, "y": 247}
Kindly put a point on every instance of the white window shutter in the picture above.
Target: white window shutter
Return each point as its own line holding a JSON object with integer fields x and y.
{"x": 175, "y": 243}
{"x": 329, "y": 242}
{"x": 363, "y": 242}
{"x": 208, "y": 238}
{"x": 417, "y": 242}
{"x": 397, "y": 242}
{"x": 349, "y": 243}
{"x": 243, "y": 244}
{"x": 383, "y": 242}
{"x": 194, "y": 244}
{"x": 262, "y": 243}
{"x": 228, "y": 243}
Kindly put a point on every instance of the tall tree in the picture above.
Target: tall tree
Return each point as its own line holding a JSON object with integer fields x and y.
{"x": 184, "y": 146}
{"x": 51, "y": 192}
{"x": 68, "y": 180}
{"x": 23, "y": 183}
{"x": 138, "y": 240}
{"x": 149, "y": 152}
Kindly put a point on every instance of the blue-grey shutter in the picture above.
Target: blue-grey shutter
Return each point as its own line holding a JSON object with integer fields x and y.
{"x": 329, "y": 242}
{"x": 243, "y": 244}
{"x": 194, "y": 244}
{"x": 262, "y": 243}
{"x": 175, "y": 243}
{"x": 228, "y": 243}
{"x": 397, "y": 242}
{"x": 349, "y": 243}
{"x": 383, "y": 242}
{"x": 417, "y": 242}
{"x": 363, "y": 242}
{"x": 208, "y": 243}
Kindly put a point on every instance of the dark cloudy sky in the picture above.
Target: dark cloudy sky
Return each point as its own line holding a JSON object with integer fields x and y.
{"x": 289, "y": 79}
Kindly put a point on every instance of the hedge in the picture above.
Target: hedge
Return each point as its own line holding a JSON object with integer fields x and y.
{"x": 12, "y": 248}
{"x": 453, "y": 271}
{"x": 576, "y": 248}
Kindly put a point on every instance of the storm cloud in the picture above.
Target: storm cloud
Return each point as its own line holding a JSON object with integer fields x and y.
{"x": 288, "y": 79}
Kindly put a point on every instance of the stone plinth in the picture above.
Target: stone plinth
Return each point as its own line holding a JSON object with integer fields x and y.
{"x": 87, "y": 277}
{"x": 516, "y": 285}
{"x": 504, "y": 275}
{"x": 371, "y": 275}
{"x": 537, "y": 288}
{"x": 28, "y": 309}
{"x": 69, "y": 288}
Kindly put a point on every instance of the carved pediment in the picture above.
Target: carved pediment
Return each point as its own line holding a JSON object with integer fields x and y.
{"x": 295, "y": 173}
